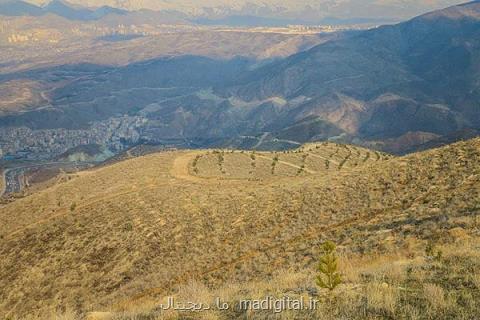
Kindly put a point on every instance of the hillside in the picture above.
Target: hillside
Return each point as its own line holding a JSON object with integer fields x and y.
{"x": 115, "y": 237}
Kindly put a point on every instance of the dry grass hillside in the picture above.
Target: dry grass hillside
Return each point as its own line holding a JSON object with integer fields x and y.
{"x": 197, "y": 224}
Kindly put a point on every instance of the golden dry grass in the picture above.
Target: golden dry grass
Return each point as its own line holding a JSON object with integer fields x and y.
{"x": 443, "y": 292}
{"x": 127, "y": 235}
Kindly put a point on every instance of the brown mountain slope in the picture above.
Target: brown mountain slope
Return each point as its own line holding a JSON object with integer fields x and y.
{"x": 110, "y": 238}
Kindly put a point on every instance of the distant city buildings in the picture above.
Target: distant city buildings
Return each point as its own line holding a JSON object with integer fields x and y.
{"x": 24, "y": 143}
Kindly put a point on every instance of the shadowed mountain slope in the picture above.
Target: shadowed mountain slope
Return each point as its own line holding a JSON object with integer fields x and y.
{"x": 421, "y": 75}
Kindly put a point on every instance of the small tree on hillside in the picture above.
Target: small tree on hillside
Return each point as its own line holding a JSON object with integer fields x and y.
{"x": 328, "y": 276}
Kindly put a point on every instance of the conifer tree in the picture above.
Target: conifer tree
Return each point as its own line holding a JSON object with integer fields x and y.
{"x": 328, "y": 276}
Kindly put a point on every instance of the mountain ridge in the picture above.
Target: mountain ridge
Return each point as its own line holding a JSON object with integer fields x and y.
{"x": 57, "y": 7}
{"x": 307, "y": 10}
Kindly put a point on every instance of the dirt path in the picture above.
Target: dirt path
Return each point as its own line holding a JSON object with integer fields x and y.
{"x": 288, "y": 164}
{"x": 180, "y": 167}
{"x": 324, "y": 158}
{"x": 259, "y": 143}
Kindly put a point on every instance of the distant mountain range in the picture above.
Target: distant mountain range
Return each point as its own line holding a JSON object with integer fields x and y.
{"x": 57, "y": 7}
{"x": 234, "y": 13}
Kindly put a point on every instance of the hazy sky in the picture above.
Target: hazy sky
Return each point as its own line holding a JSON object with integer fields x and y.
{"x": 400, "y": 9}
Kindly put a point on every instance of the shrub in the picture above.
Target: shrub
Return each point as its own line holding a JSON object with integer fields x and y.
{"x": 432, "y": 253}
{"x": 382, "y": 297}
{"x": 435, "y": 296}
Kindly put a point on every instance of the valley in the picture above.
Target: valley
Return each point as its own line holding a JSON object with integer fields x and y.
{"x": 193, "y": 86}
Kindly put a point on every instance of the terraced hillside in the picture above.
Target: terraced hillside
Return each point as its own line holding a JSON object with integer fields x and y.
{"x": 314, "y": 159}
{"x": 128, "y": 234}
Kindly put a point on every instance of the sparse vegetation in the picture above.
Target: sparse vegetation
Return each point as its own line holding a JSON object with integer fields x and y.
{"x": 367, "y": 156}
{"x": 128, "y": 229}
{"x": 274, "y": 164}
{"x": 195, "y": 163}
{"x": 221, "y": 161}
